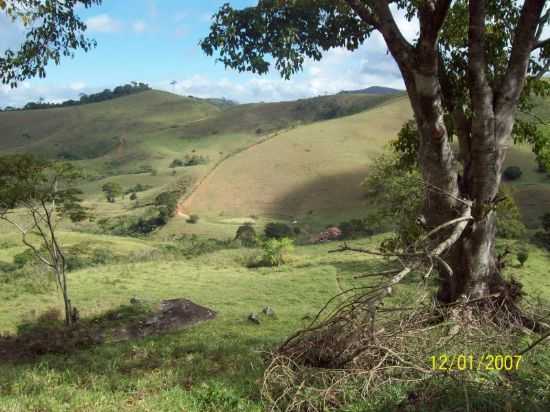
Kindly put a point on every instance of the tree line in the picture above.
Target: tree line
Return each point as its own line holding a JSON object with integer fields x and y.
{"x": 107, "y": 94}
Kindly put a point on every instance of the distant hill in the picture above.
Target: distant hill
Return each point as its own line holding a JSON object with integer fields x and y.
{"x": 380, "y": 90}
{"x": 97, "y": 129}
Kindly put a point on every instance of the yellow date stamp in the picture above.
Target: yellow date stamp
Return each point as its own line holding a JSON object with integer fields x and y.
{"x": 472, "y": 362}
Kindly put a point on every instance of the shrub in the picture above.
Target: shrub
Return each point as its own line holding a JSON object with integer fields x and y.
{"x": 246, "y": 235}
{"x": 509, "y": 224}
{"x": 545, "y": 220}
{"x": 275, "y": 251}
{"x": 275, "y": 230}
{"x": 542, "y": 239}
{"x": 512, "y": 173}
{"x": 168, "y": 201}
{"x": 192, "y": 246}
{"x": 194, "y": 160}
{"x": 177, "y": 163}
{"x": 138, "y": 188}
{"x": 354, "y": 228}
{"x": 23, "y": 258}
{"x": 112, "y": 190}
{"x": 133, "y": 196}
{"x": 102, "y": 256}
{"x": 522, "y": 256}
{"x": 145, "y": 169}
{"x": 193, "y": 219}
{"x": 75, "y": 262}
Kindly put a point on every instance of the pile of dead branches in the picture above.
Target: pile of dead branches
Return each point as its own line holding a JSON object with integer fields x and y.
{"x": 357, "y": 345}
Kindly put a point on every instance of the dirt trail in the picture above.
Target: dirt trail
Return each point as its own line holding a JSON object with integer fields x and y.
{"x": 185, "y": 201}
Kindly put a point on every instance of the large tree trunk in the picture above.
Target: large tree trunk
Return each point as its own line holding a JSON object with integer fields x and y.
{"x": 472, "y": 258}
{"x": 483, "y": 130}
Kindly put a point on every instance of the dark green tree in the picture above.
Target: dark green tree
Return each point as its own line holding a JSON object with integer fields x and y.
{"x": 52, "y": 30}
{"x": 473, "y": 64}
{"x": 34, "y": 195}
{"x": 112, "y": 190}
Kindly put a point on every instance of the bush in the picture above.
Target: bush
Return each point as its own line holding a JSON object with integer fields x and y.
{"x": 542, "y": 239}
{"x": 192, "y": 246}
{"x": 275, "y": 230}
{"x": 545, "y": 220}
{"x": 177, "y": 163}
{"x": 133, "y": 225}
{"x": 246, "y": 235}
{"x": 512, "y": 173}
{"x": 167, "y": 201}
{"x": 275, "y": 251}
{"x": 194, "y": 160}
{"x": 138, "y": 188}
{"x": 193, "y": 219}
{"x": 522, "y": 256}
{"x": 102, "y": 256}
{"x": 24, "y": 258}
{"x": 75, "y": 262}
{"x": 354, "y": 228}
{"x": 133, "y": 196}
{"x": 509, "y": 224}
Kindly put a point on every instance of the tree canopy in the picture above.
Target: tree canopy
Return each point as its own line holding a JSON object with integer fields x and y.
{"x": 53, "y": 29}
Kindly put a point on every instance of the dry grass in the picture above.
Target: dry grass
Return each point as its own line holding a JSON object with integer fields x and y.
{"x": 317, "y": 167}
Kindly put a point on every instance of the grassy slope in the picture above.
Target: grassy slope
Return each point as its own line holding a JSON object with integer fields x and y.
{"x": 532, "y": 189}
{"x": 214, "y": 366}
{"x": 95, "y": 129}
{"x": 317, "y": 167}
{"x": 153, "y": 128}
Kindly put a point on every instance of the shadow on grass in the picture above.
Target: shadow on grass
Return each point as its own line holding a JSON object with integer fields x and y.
{"x": 362, "y": 270}
{"x": 446, "y": 394}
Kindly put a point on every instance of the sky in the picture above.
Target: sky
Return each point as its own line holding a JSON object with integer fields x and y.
{"x": 157, "y": 42}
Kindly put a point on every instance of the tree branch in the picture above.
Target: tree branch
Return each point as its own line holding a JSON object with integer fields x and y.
{"x": 481, "y": 91}
{"x": 522, "y": 46}
{"x": 363, "y": 12}
{"x": 540, "y": 44}
{"x": 432, "y": 14}
{"x": 381, "y": 18}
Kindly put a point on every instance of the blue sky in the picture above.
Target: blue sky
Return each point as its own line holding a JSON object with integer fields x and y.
{"x": 156, "y": 41}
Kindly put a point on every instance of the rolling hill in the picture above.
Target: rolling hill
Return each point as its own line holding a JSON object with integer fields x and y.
{"x": 302, "y": 159}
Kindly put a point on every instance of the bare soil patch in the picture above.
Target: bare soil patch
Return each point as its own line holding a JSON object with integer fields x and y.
{"x": 128, "y": 322}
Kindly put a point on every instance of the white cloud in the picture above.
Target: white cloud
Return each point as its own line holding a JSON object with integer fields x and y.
{"x": 77, "y": 86}
{"x": 139, "y": 26}
{"x": 339, "y": 70}
{"x": 31, "y": 91}
{"x": 103, "y": 23}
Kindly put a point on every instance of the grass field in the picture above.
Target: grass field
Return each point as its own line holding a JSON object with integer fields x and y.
{"x": 214, "y": 366}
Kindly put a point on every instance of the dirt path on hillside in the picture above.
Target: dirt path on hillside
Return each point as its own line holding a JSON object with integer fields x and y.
{"x": 184, "y": 203}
